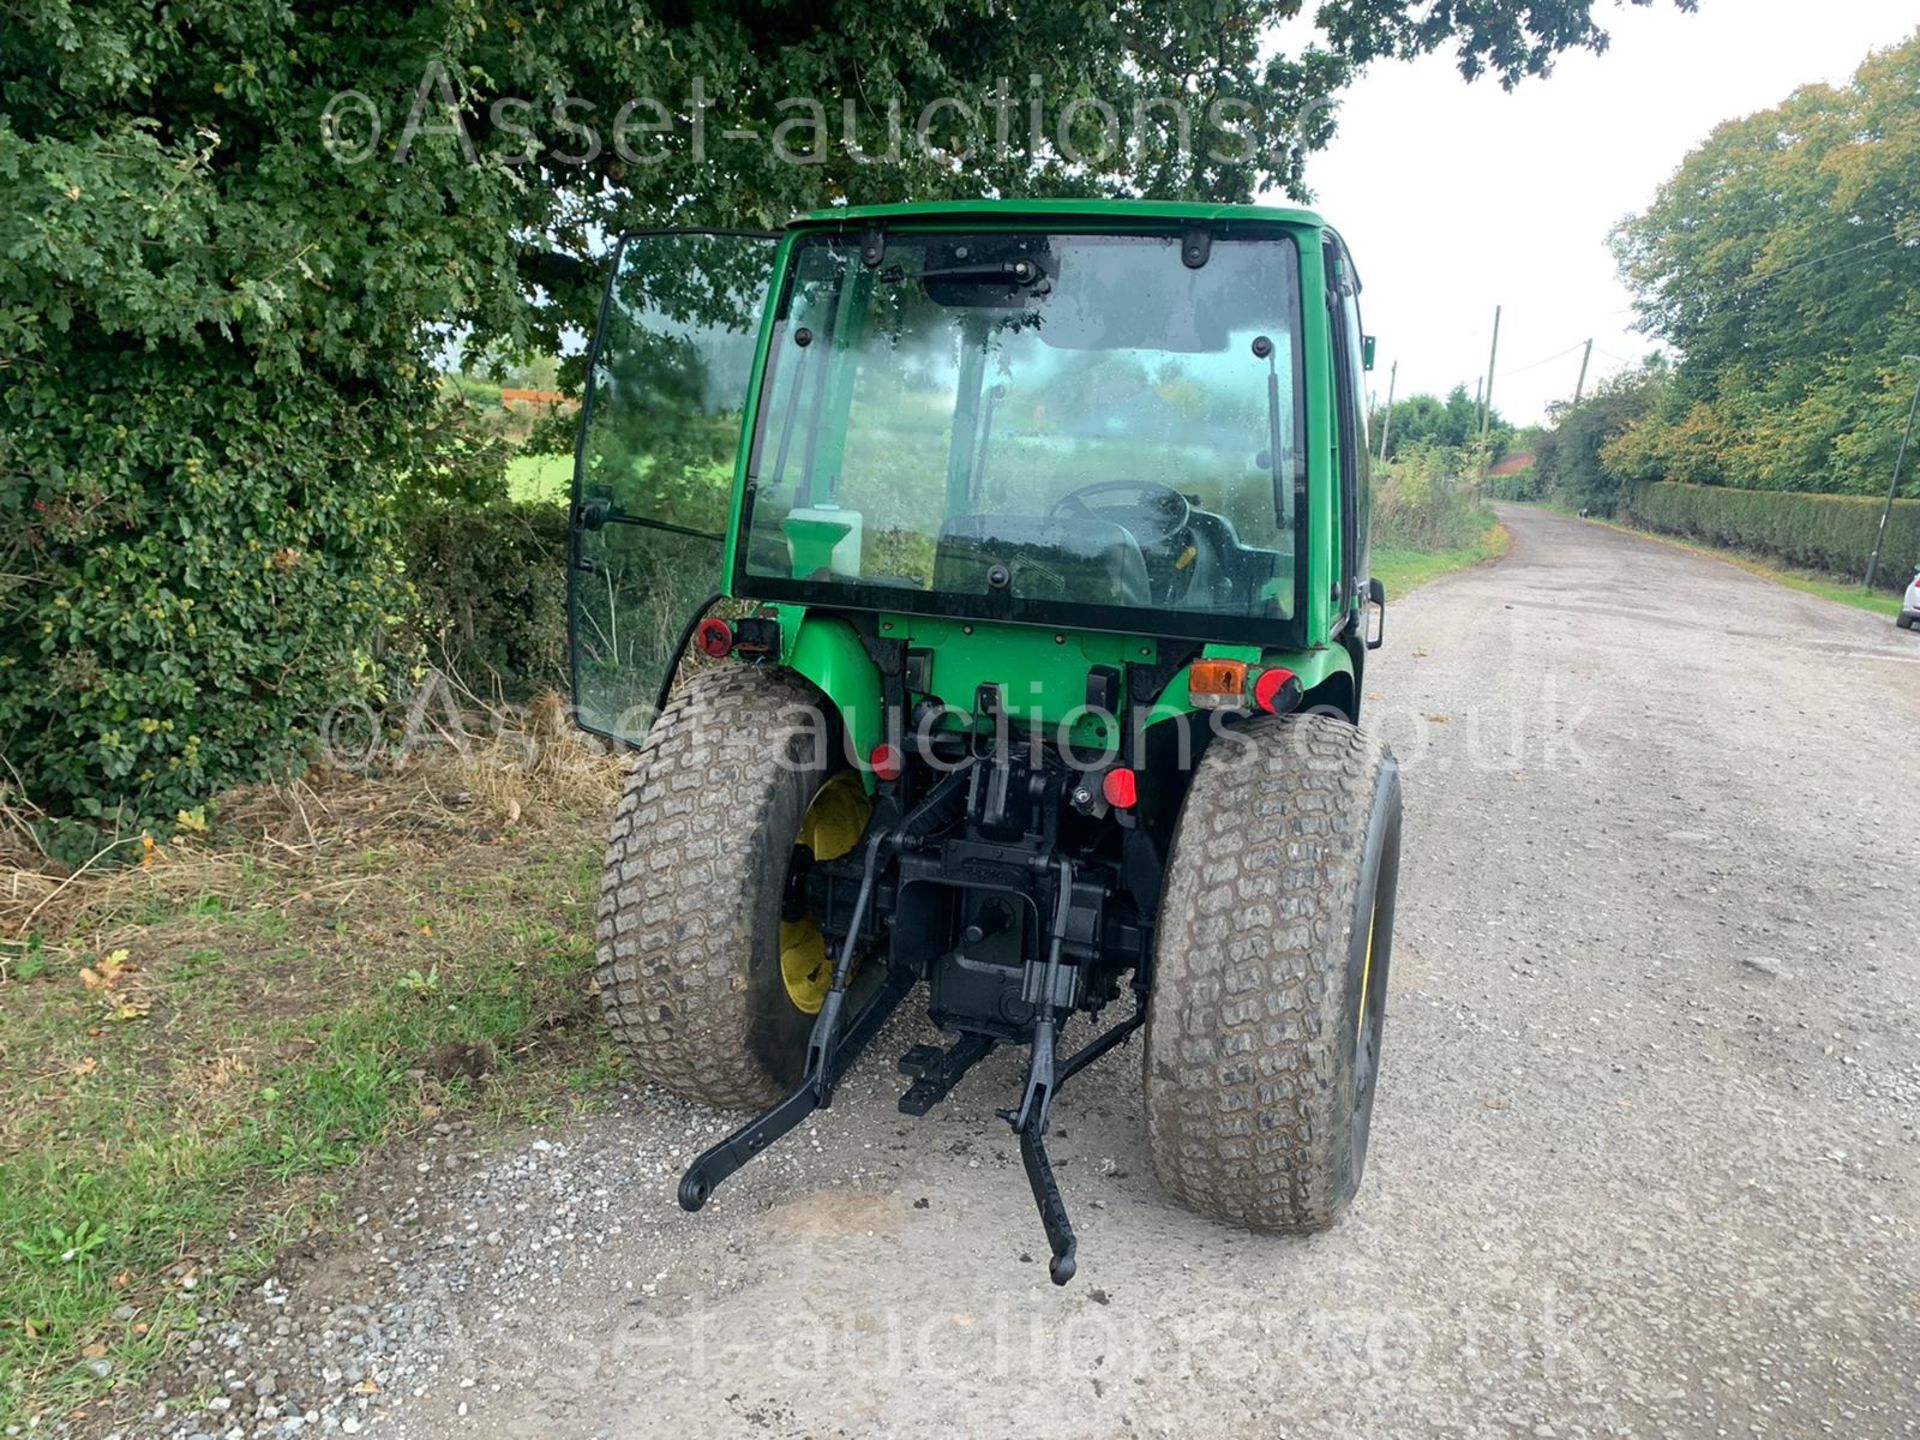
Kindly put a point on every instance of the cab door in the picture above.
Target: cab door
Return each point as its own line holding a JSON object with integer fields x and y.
{"x": 1349, "y": 365}
{"x": 654, "y": 470}
{"x": 1358, "y": 595}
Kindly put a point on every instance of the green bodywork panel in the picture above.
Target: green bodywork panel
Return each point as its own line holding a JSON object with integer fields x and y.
{"x": 1042, "y": 672}
{"x": 825, "y": 649}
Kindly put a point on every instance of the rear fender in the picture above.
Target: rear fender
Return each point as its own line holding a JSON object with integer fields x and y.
{"x": 1329, "y": 677}
{"x": 828, "y": 652}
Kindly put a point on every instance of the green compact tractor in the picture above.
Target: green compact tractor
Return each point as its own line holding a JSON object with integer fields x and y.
{"x": 985, "y": 589}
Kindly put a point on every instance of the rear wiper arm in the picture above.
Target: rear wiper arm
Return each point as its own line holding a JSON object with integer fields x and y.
{"x": 1014, "y": 272}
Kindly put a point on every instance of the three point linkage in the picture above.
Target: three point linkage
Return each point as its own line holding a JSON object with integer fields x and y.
{"x": 839, "y": 1037}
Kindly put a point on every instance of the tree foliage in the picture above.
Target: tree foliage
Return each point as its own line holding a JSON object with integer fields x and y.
{"x": 1782, "y": 263}
{"x": 233, "y": 235}
{"x": 1594, "y": 446}
{"x": 1428, "y": 498}
{"x": 1452, "y": 423}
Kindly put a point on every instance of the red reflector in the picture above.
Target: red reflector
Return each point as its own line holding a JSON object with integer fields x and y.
{"x": 1270, "y": 690}
{"x": 887, "y": 762}
{"x": 1122, "y": 789}
{"x": 714, "y": 637}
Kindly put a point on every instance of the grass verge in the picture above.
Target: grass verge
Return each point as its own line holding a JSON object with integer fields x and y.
{"x": 198, "y": 1051}
{"x": 1401, "y": 570}
{"x": 1805, "y": 581}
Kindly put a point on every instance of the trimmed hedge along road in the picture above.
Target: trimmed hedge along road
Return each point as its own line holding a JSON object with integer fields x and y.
{"x": 1822, "y": 532}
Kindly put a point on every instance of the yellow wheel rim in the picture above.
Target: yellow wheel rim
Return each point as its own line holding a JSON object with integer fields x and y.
{"x": 804, "y": 967}
{"x": 1366, "y": 971}
{"x": 832, "y": 826}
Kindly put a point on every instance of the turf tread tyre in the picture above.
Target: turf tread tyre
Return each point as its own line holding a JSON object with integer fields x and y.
{"x": 1249, "y": 1043}
{"x": 691, "y": 891}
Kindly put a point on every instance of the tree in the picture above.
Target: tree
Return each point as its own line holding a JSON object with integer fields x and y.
{"x": 234, "y": 234}
{"x": 1452, "y": 423}
{"x": 1581, "y": 460}
{"x": 1782, "y": 262}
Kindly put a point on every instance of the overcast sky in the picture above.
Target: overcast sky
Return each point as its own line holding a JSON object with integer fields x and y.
{"x": 1557, "y": 162}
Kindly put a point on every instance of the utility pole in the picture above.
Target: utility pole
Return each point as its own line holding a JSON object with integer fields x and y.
{"x": 1886, "y": 513}
{"x": 1580, "y": 386}
{"x": 1486, "y": 411}
{"x": 1386, "y": 423}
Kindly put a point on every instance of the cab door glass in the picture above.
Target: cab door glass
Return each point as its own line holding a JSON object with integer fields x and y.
{"x": 1363, "y": 466}
{"x": 653, "y": 478}
{"x": 1349, "y": 366}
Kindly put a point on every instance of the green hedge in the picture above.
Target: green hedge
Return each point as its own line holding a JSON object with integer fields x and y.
{"x": 194, "y": 562}
{"x": 490, "y": 585}
{"x": 1833, "y": 533}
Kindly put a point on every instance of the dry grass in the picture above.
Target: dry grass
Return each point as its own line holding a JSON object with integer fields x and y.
{"x": 464, "y": 786}
{"x": 1402, "y": 570}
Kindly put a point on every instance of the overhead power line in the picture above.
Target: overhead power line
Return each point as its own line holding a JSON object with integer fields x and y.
{"x": 1535, "y": 365}
{"x": 1768, "y": 277}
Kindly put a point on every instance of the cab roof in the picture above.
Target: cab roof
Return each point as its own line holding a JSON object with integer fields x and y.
{"x": 1134, "y": 211}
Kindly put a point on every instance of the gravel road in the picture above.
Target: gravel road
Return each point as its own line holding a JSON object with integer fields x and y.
{"x": 1644, "y": 1162}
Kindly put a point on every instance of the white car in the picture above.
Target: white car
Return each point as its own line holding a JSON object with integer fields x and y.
{"x": 1910, "y": 605}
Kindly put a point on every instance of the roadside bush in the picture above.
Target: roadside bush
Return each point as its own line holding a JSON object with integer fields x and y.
{"x": 490, "y": 595}
{"x": 472, "y": 389}
{"x": 1426, "y": 499}
{"x": 214, "y": 368}
{"x": 1584, "y": 459}
{"x": 1834, "y": 533}
{"x": 1523, "y": 485}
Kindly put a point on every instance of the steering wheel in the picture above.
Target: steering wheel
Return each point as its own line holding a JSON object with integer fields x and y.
{"x": 1157, "y": 514}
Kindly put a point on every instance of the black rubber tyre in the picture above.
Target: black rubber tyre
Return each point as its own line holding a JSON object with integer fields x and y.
{"x": 1260, "y": 1064}
{"x": 1905, "y": 622}
{"x": 690, "y": 898}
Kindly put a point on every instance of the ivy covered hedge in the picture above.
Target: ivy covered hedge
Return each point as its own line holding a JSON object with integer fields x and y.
{"x": 197, "y": 563}
{"x": 1822, "y": 532}
{"x": 214, "y": 372}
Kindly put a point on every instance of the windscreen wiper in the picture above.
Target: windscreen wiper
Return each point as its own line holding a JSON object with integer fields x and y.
{"x": 1263, "y": 349}
{"x": 1014, "y": 272}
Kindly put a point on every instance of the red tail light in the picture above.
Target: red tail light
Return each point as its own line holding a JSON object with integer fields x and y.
{"x": 714, "y": 637}
{"x": 1276, "y": 691}
{"x": 1122, "y": 789}
{"x": 887, "y": 762}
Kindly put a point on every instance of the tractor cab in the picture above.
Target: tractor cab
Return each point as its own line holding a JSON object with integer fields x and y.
{"x": 1099, "y": 417}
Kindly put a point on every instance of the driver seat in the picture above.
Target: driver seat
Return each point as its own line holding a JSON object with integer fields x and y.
{"x": 1083, "y": 560}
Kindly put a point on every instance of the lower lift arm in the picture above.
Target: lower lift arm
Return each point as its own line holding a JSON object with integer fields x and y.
{"x": 837, "y": 1040}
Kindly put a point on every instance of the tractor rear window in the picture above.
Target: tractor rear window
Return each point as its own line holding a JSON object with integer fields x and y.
{"x": 1035, "y": 419}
